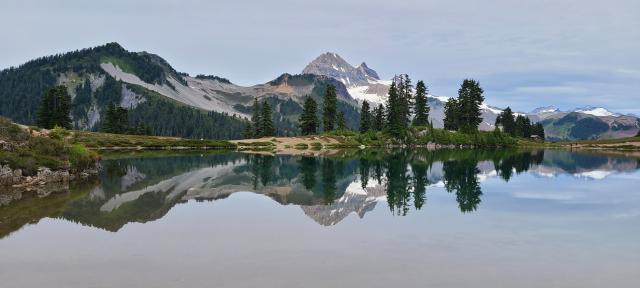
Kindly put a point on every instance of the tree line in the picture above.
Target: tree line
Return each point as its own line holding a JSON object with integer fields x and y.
{"x": 518, "y": 126}
{"x": 404, "y": 109}
{"x": 261, "y": 124}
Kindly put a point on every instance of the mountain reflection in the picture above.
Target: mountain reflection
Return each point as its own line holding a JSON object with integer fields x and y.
{"x": 328, "y": 189}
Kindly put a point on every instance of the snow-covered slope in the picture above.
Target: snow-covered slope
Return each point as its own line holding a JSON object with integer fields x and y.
{"x": 596, "y": 111}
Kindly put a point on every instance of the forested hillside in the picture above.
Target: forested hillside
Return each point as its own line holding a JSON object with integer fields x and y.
{"x": 92, "y": 90}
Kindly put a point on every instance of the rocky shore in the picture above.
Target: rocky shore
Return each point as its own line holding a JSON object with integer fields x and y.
{"x": 14, "y": 178}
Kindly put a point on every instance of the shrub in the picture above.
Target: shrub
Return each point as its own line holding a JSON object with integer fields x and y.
{"x": 81, "y": 158}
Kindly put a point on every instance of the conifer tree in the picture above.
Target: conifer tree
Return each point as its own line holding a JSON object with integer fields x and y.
{"x": 116, "y": 120}
{"x": 523, "y": 127}
{"x": 267, "y": 122}
{"x": 507, "y": 121}
{"x": 378, "y": 121}
{"x": 470, "y": 98}
{"x": 256, "y": 119}
{"x": 248, "y": 131}
{"x": 452, "y": 114}
{"x": 421, "y": 106}
{"x": 395, "y": 125}
{"x": 329, "y": 108}
{"x": 365, "y": 117}
{"x": 341, "y": 122}
{"x": 55, "y": 108}
{"x": 309, "y": 119}
{"x": 405, "y": 95}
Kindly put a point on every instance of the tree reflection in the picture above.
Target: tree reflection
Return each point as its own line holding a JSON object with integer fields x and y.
{"x": 308, "y": 168}
{"x": 461, "y": 177}
{"x": 328, "y": 180}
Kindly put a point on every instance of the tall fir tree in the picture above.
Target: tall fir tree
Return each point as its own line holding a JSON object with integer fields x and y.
{"x": 523, "y": 126}
{"x": 55, "y": 108}
{"x": 309, "y": 118}
{"x": 507, "y": 121}
{"x": 452, "y": 114}
{"x": 248, "y": 131}
{"x": 256, "y": 119}
{"x": 329, "y": 108}
{"x": 341, "y": 122}
{"x": 395, "y": 125}
{"x": 267, "y": 122}
{"x": 365, "y": 117}
{"x": 470, "y": 98}
{"x": 405, "y": 95}
{"x": 378, "y": 122}
{"x": 116, "y": 120}
{"x": 422, "y": 109}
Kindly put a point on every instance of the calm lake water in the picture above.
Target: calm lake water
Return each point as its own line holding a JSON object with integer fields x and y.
{"x": 363, "y": 219}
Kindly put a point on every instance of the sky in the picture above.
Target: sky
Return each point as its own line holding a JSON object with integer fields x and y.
{"x": 526, "y": 53}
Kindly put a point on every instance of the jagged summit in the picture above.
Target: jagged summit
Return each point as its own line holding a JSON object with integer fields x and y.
{"x": 370, "y": 73}
{"x": 332, "y": 65}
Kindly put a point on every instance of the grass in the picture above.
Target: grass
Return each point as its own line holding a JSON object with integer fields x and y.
{"x": 257, "y": 144}
{"x": 422, "y": 136}
{"x": 301, "y": 146}
{"x": 105, "y": 140}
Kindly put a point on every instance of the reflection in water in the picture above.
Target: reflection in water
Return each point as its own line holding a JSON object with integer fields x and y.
{"x": 327, "y": 189}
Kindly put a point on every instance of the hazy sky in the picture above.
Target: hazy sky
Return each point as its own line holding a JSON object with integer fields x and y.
{"x": 525, "y": 53}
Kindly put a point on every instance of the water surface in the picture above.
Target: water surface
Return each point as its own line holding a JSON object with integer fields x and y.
{"x": 358, "y": 219}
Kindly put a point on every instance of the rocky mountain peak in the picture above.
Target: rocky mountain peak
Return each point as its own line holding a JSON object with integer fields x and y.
{"x": 332, "y": 65}
{"x": 370, "y": 73}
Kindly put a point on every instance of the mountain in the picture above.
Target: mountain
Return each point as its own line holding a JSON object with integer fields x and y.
{"x": 585, "y": 123}
{"x": 206, "y": 106}
{"x": 169, "y": 102}
{"x": 363, "y": 83}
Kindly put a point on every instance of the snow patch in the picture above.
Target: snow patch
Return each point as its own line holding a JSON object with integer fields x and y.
{"x": 595, "y": 174}
{"x": 596, "y": 111}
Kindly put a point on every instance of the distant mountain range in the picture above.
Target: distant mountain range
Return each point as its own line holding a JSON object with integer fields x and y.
{"x": 207, "y": 106}
{"x": 363, "y": 83}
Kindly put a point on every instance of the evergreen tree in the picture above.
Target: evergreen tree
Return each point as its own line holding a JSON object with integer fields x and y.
{"x": 267, "y": 122}
{"x": 330, "y": 108}
{"x": 395, "y": 125}
{"x": 256, "y": 119}
{"x": 248, "y": 131}
{"x": 538, "y": 130}
{"x": 309, "y": 119}
{"x": 470, "y": 98}
{"x": 116, "y": 120}
{"x": 452, "y": 115}
{"x": 507, "y": 121}
{"x": 365, "y": 117}
{"x": 405, "y": 93}
{"x": 523, "y": 127}
{"x": 341, "y": 123}
{"x": 378, "y": 121}
{"x": 421, "y": 106}
{"x": 55, "y": 108}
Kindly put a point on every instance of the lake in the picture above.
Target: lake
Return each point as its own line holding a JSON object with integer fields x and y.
{"x": 447, "y": 218}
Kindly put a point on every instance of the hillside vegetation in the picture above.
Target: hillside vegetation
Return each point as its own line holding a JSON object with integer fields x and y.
{"x": 93, "y": 90}
{"x": 21, "y": 150}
